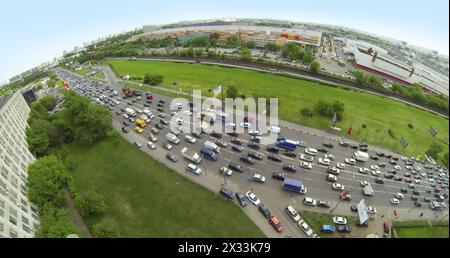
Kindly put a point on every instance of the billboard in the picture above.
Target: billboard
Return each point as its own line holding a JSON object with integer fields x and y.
{"x": 362, "y": 212}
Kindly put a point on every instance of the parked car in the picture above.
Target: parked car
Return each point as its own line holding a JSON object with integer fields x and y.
{"x": 305, "y": 228}
{"x": 241, "y": 199}
{"x": 278, "y": 175}
{"x": 309, "y": 201}
{"x": 327, "y": 229}
{"x": 292, "y": 213}
{"x": 340, "y": 220}
{"x": 265, "y": 211}
{"x": 276, "y": 224}
{"x": 274, "y": 157}
{"x": 252, "y": 197}
{"x": 323, "y": 204}
{"x": 344, "y": 229}
{"x": 236, "y": 167}
{"x": 258, "y": 178}
{"x": 172, "y": 157}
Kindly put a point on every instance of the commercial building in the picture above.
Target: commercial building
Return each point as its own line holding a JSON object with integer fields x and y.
{"x": 375, "y": 59}
{"x": 261, "y": 35}
{"x": 18, "y": 217}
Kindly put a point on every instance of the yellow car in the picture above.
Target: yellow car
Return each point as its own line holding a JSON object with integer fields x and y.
{"x": 138, "y": 129}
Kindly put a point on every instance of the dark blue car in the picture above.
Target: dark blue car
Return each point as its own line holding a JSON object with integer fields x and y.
{"x": 241, "y": 199}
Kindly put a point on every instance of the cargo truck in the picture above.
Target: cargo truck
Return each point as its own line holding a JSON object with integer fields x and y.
{"x": 212, "y": 146}
{"x": 287, "y": 144}
{"x": 361, "y": 156}
{"x": 293, "y": 185}
{"x": 172, "y": 138}
{"x": 191, "y": 155}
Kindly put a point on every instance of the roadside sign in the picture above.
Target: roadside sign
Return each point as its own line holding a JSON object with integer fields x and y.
{"x": 404, "y": 142}
{"x": 433, "y": 131}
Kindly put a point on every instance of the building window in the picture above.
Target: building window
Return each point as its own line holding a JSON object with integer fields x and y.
{"x": 26, "y": 229}
{"x": 12, "y": 233}
{"x": 13, "y": 220}
{"x": 25, "y": 220}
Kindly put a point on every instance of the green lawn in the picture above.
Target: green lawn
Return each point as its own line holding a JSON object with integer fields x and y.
{"x": 84, "y": 71}
{"x": 378, "y": 113}
{"x": 147, "y": 199}
{"x": 316, "y": 220}
{"x": 421, "y": 229}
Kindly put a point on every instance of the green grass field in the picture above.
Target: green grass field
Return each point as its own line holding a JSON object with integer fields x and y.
{"x": 84, "y": 71}
{"x": 378, "y": 113}
{"x": 147, "y": 199}
{"x": 316, "y": 220}
{"x": 421, "y": 229}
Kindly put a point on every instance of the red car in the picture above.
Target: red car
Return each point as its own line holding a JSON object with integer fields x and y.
{"x": 437, "y": 190}
{"x": 386, "y": 227}
{"x": 382, "y": 164}
{"x": 276, "y": 224}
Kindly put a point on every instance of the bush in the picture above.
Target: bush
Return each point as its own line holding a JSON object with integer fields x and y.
{"x": 410, "y": 126}
{"x": 391, "y": 133}
{"x": 105, "y": 229}
{"x": 434, "y": 151}
{"x": 91, "y": 203}
{"x": 306, "y": 112}
{"x": 364, "y": 126}
{"x": 328, "y": 109}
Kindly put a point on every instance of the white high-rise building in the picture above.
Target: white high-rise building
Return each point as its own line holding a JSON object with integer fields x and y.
{"x": 18, "y": 217}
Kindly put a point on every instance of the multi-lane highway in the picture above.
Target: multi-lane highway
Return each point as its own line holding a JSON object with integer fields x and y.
{"x": 270, "y": 192}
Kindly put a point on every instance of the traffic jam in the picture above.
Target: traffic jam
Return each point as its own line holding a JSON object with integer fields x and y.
{"x": 321, "y": 172}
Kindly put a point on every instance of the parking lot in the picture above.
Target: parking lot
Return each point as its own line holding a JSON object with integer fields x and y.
{"x": 398, "y": 182}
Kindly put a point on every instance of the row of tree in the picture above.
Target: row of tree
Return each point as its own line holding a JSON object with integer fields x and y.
{"x": 49, "y": 180}
{"x": 414, "y": 91}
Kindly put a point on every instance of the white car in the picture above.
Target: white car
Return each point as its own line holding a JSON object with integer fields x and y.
{"x": 194, "y": 169}
{"x": 332, "y": 178}
{"x": 375, "y": 167}
{"x": 252, "y": 198}
{"x": 363, "y": 170}
{"x": 179, "y": 121}
{"x": 417, "y": 181}
{"x": 309, "y": 201}
{"x": 350, "y": 161}
{"x": 376, "y": 172}
{"x": 417, "y": 169}
{"x": 395, "y": 201}
{"x": 151, "y": 145}
{"x": 371, "y": 210}
{"x": 246, "y": 125}
{"x": 190, "y": 139}
{"x": 258, "y": 178}
{"x": 305, "y": 228}
{"x": 168, "y": 146}
{"x": 292, "y": 213}
{"x": 325, "y": 162}
{"x": 226, "y": 171}
{"x": 255, "y": 133}
{"x": 399, "y": 196}
{"x": 187, "y": 113}
{"x": 306, "y": 165}
{"x": 337, "y": 186}
{"x": 340, "y": 165}
{"x": 339, "y": 220}
{"x": 311, "y": 151}
{"x": 306, "y": 157}
{"x": 364, "y": 183}
{"x": 397, "y": 167}
{"x": 125, "y": 116}
{"x": 329, "y": 156}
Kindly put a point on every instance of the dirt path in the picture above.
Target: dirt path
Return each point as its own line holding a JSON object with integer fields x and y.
{"x": 76, "y": 217}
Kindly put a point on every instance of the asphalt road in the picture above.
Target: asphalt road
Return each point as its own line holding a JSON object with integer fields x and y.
{"x": 270, "y": 192}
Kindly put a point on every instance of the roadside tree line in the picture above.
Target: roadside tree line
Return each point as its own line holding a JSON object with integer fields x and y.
{"x": 49, "y": 178}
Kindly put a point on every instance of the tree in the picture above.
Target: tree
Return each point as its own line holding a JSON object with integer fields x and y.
{"x": 49, "y": 102}
{"x": 92, "y": 125}
{"x": 246, "y": 54}
{"x": 38, "y": 136}
{"x": 434, "y": 151}
{"x": 445, "y": 159}
{"x": 47, "y": 179}
{"x": 360, "y": 77}
{"x": 314, "y": 67}
{"x": 307, "y": 58}
{"x": 91, "y": 203}
{"x": 272, "y": 47}
{"x": 55, "y": 223}
{"x": 153, "y": 79}
{"x": 232, "y": 92}
{"x": 306, "y": 112}
{"x": 250, "y": 44}
{"x": 373, "y": 81}
{"x": 212, "y": 54}
{"x": 232, "y": 41}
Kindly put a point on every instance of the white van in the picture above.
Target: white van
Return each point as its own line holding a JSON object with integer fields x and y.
{"x": 274, "y": 129}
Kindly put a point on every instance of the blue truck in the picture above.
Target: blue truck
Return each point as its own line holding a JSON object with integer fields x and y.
{"x": 209, "y": 154}
{"x": 287, "y": 144}
{"x": 294, "y": 185}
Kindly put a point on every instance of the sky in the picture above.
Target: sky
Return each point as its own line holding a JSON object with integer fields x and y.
{"x": 38, "y": 31}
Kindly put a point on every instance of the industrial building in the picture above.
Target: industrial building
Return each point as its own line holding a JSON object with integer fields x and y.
{"x": 375, "y": 59}
{"x": 261, "y": 35}
{"x": 18, "y": 217}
